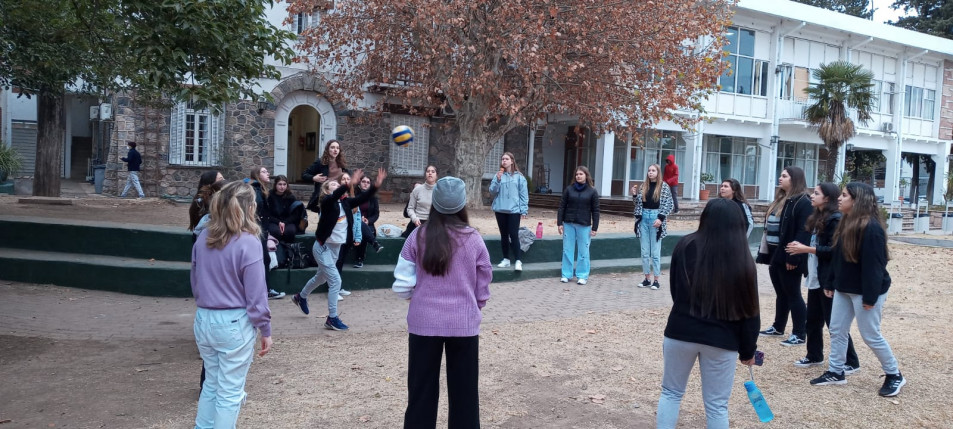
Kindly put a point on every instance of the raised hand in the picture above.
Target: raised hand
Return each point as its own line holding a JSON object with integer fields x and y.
{"x": 381, "y": 175}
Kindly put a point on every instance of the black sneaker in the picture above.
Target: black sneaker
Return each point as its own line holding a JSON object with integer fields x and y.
{"x": 771, "y": 332}
{"x": 829, "y": 378}
{"x": 645, "y": 283}
{"x": 377, "y": 247}
{"x": 655, "y": 285}
{"x": 807, "y": 363}
{"x": 302, "y": 303}
{"x": 335, "y": 323}
{"x": 892, "y": 384}
{"x": 793, "y": 340}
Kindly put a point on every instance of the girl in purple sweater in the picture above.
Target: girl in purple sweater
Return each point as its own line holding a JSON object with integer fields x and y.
{"x": 444, "y": 270}
{"x": 228, "y": 283}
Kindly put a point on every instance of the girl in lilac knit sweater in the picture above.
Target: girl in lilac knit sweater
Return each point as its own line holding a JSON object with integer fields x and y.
{"x": 444, "y": 270}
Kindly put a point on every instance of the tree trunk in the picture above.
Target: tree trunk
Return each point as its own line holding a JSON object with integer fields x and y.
{"x": 470, "y": 155}
{"x": 51, "y": 129}
{"x": 915, "y": 180}
{"x": 833, "y": 157}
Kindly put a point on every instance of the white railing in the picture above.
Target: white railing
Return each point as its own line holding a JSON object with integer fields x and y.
{"x": 794, "y": 110}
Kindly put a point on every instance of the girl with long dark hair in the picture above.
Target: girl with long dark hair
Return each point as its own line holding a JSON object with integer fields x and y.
{"x": 510, "y": 204}
{"x": 715, "y": 313}
{"x": 444, "y": 270}
{"x": 731, "y": 189}
{"x": 653, "y": 204}
{"x": 859, "y": 286}
{"x": 370, "y": 212}
{"x": 329, "y": 167}
{"x": 785, "y": 223}
{"x": 202, "y": 199}
{"x": 260, "y": 181}
{"x": 822, "y": 223}
{"x": 285, "y": 212}
{"x": 578, "y": 221}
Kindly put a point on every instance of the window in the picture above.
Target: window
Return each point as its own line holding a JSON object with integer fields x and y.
{"x": 802, "y": 155}
{"x": 411, "y": 160}
{"x": 745, "y": 75}
{"x": 195, "y": 136}
{"x": 732, "y": 157}
{"x": 304, "y": 21}
{"x": 492, "y": 163}
{"x": 919, "y": 102}
{"x": 652, "y": 147}
{"x": 884, "y": 97}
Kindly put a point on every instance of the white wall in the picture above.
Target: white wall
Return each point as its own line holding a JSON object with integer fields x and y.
{"x": 21, "y": 108}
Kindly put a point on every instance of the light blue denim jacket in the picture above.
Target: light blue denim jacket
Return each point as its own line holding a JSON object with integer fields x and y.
{"x": 510, "y": 193}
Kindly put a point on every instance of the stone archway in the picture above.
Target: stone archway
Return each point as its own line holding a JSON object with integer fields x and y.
{"x": 300, "y": 89}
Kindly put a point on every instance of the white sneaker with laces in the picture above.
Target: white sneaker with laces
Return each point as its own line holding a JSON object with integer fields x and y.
{"x": 518, "y": 266}
{"x": 563, "y": 280}
{"x": 582, "y": 281}
{"x": 504, "y": 263}
{"x": 344, "y": 292}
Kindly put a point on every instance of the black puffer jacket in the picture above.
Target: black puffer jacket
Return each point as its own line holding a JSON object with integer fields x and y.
{"x": 794, "y": 216}
{"x": 579, "y": 207}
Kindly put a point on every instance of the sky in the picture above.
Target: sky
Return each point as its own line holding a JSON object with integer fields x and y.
{"x": 883, "y": 12}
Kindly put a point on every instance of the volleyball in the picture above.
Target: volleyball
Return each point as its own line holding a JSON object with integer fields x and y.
{"x": 402, "y": 135}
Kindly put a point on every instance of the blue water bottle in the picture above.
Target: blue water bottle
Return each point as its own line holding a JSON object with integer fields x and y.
{"x": 757, "y": 400}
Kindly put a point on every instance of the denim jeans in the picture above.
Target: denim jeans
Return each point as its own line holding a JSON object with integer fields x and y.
{"x": 132, "y": 180}
{"x": 576, "y": 240}
{"x": 226, "y": 341}
{"x": 717, "y": 367}
{"x": 651, "y": 248}
{"x": 846, "y": 307}
{"x": 327, "y": 257}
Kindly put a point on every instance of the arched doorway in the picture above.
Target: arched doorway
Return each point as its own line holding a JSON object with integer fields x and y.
{"x": 304, "y": 122}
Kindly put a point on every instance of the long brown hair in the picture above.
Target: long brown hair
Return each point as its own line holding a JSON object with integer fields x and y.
{"x": 850, "y": 230}
{"x": 798, "y": 186}
{"x": 326, "y": 156}
{"x": 737, "y": 193}
{"x": 256, "y": 176}
{"x": 516, "y": 167}
{"x": 435, "y": 239}
{"x": 721, "y": 288}
{"x": 657, "y": 195}
{"x": 203, "y": 197}
{"x": 818, "y": 219}
{"x": 585, "y": 170}
{"x": 232, "y": 212}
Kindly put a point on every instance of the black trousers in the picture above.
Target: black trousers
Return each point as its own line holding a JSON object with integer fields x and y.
{"x": 410, "y": 228}
{"x": 509, "y": 224}
{"x": 291, "y": 231}
{"x": 818, "y": 315}
{"x": 423, "y": 381}
{"x": 787, "y": 286}
{"x": 368, "y": 235}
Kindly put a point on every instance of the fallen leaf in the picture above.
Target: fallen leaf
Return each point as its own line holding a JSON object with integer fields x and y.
{"x": 597, "y": 399}
{"x": 590, "y": 331}
{"x": 617, "y": 368}
{"x": 895, "y": 402}
{"x": 364, "y": 419}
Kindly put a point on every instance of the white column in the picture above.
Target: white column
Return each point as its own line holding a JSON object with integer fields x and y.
{"x": 942, "y": 172}
{"x": 603, "y": 172}
{"x": 839, "y": 168}
{"x": 695, "y": 156}
{"x": 529, "y": 157}
{"x": 892, "y": 171}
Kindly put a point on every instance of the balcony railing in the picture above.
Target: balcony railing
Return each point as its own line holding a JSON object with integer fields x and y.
{"x": 794, "y": 111}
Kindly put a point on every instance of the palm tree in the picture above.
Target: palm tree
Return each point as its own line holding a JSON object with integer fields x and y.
{"x": 841, "y": 85}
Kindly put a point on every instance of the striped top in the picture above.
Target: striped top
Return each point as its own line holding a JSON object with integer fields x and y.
{"x": 772, "y": 230}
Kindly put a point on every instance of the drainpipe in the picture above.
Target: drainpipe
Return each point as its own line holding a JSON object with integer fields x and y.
{"x": 898, "y": 120}
{"x": 766, "y": 192}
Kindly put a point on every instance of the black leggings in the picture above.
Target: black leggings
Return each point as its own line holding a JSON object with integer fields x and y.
{"x": 368, "y": 235}
{"x": 787, "y": 286}
{"x": 819, "y": 314}
{"x": 291, "y": 230}
{"x": 509, "y": 224}
{"x": 423, "y": 381}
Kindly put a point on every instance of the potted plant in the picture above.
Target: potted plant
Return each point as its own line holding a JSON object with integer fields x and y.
{"x": 903, "y": 187}
{"x": 10, "y": 162}
{"x": 705, "y": 179}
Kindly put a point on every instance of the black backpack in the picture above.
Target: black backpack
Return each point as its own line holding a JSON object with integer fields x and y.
{"x": 294, "y": 256}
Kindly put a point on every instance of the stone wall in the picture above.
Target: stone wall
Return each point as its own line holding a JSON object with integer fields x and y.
{"x": 148, "y": 126}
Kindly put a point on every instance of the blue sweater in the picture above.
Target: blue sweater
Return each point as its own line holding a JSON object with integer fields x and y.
{"x": 510, "y": 193}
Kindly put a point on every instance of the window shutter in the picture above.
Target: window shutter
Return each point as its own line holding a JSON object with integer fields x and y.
{"x": 176, "y": 145}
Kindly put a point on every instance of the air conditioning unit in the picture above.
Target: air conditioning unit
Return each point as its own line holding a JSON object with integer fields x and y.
{"x": 886, "y": 127}
{"x": 105, "y": 111}
{"x": 93, "y": 113}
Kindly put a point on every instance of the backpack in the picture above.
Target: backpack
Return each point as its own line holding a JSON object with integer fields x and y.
{"x": 294, "y": 256}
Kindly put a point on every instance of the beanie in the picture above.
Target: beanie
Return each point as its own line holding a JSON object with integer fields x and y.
{"x": 449, "y": 195}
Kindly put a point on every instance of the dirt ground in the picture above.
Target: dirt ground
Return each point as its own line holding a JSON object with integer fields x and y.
{"x": 597, "y": 370}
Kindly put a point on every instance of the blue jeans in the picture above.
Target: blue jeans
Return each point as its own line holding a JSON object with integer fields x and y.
{"x": 132, "y": 180}
{"x": 846, "y": 307}
{"x": 717, "y": 367}
{"x": 651, "y": 248}
{"x": 226, "y": 341}
{"x": 576, "y": 240}
{"x": 327, "y": 257}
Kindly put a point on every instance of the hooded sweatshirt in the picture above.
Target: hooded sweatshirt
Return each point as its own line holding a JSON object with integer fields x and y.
{"x": 670, "y": 175}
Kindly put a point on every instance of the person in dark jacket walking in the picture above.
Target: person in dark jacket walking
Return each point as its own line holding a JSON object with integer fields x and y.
{"x": 335, "y": 227}
{"x": 859, "y": 286}
{"x": 822, "y": 223}
{"x": 670, "y": 177}
{"x": 791, "y": 208}
{"x": 330, "y": 166}
{"x": 578, "y": 221}
{"x": 715, "y": 313}
{"x": 134, "y": 162}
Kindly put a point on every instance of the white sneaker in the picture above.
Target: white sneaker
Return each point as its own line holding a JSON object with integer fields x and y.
{"x": 504, "y": 263}
{"x": 340, "y": 298}
{"x": 518, "y": 266}
{"x": 582, "y": 281}
{"x": 344, "y": 292}
{"x": 563, "y": 280}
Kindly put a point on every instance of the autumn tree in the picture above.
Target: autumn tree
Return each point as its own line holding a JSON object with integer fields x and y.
{"x": 499, "y": 64}
{"x": 212, "y": 51}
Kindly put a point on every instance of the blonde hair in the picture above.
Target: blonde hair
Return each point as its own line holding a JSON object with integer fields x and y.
{"x": 232, "y": 212}
{"x": 657, "y": 195}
